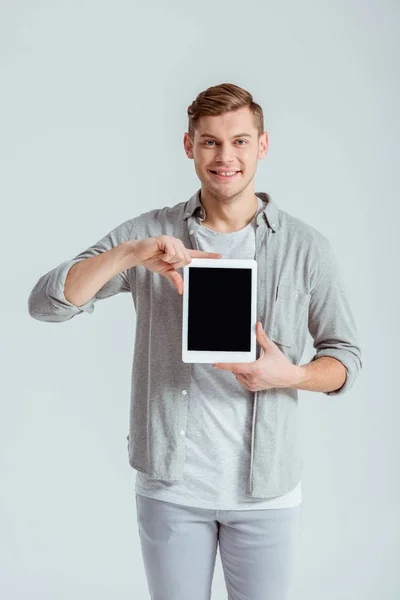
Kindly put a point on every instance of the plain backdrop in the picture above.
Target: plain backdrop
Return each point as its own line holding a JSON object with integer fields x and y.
{"x": 93, "y": 101}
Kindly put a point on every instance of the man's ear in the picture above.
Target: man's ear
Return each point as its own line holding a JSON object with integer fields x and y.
{"x": 188, "y": 145}
{"x": 263, "y": 145}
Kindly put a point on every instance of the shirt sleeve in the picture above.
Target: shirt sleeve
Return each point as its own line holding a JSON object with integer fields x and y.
{"x": 47, "y": 302}
{"x": 330, "y": 320}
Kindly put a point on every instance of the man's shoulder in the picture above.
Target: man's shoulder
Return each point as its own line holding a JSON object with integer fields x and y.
{"x": 156, "y": 220}
{"x": 161, "y": 212}
{"x": 298, "y": 230}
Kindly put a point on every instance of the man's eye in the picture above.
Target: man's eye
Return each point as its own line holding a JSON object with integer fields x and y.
{"x": 212, "y": 142}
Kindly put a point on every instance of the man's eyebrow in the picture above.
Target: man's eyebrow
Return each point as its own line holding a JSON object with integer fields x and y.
{"x": 235, "y": 136}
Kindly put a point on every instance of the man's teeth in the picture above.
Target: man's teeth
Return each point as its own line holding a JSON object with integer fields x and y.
{"x": 226, "y": 174}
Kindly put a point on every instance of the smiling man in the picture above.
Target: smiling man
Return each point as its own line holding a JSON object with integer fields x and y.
{"x": 226, "y": 149}
{"x": 216, "y": 447}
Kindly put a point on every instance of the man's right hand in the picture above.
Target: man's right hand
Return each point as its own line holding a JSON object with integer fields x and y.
{"x": 164, "y": 253}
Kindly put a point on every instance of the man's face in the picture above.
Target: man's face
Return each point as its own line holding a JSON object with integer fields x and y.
{"x": 217, "y": 146}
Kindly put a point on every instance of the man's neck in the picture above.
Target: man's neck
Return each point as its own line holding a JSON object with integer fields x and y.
{"x": 231, "y": 215}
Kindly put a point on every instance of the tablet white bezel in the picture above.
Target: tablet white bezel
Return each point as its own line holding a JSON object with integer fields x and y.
{"x": 195, "y": 356}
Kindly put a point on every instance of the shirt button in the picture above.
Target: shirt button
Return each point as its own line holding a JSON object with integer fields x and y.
{"x": 191, "y": 232}
{"x": 184, "y": 392}
{"x": 182, "y": 432}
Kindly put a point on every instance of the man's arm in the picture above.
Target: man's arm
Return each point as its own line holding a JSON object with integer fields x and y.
{"x": 86, "y": 277}
{"x": 98, "y": 272}
{"x": 325, "y": 374}
{"x": 331, "y": 323}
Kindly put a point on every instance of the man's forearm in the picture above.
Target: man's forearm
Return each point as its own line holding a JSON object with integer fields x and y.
{"x": 85, "y": 278}
{"x": 325, "y": 374}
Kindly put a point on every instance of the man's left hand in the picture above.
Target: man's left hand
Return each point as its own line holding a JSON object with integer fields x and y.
{"x": 272, "y": 370}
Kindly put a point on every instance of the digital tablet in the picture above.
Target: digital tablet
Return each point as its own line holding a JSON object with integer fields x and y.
{"x": 219, "y": 310}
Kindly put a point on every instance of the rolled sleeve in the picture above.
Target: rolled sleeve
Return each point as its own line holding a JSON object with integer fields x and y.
{"x": 55, "y": 289}
{"x": 47, "y": 301}
{"x": 352, "y": 368}
{"x": 330, "y": 320}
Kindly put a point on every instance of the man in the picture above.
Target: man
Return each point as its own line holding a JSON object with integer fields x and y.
{"x": 216, "y": 448}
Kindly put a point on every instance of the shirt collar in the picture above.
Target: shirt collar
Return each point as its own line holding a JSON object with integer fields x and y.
{"x": 270, "y": 212}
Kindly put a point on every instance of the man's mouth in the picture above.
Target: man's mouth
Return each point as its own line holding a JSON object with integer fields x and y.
{"x": 225, "y": 175}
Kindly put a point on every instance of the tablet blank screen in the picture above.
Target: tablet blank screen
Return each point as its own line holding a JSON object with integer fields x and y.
{"x": 219, "y": 309}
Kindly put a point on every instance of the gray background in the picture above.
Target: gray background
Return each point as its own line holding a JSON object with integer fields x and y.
{"x": 93, "y": 111}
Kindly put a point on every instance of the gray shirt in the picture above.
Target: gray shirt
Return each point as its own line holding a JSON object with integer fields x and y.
{"x": 299, "y": 290}
{"x": 220, "y": 410}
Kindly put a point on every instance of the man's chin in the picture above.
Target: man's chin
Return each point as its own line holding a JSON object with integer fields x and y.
{"x": 217, "y": 192}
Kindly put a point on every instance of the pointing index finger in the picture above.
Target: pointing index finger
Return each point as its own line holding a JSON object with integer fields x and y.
{"x": 200, "y": 254}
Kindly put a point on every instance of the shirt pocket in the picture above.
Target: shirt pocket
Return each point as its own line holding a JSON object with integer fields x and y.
{"x": 291, "y": 304}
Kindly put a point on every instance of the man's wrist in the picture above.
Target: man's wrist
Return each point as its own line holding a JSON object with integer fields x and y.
{"x": 126, "y": 255}
{"x": 299, "y": 377}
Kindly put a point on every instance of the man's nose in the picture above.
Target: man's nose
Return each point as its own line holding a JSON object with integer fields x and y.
{"x": 225, "y": 154}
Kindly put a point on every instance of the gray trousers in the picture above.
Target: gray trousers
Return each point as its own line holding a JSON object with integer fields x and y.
{"x": 258, "y": 550}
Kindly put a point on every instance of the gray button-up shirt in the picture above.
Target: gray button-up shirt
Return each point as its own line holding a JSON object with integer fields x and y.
{"x": 299, "y": 290}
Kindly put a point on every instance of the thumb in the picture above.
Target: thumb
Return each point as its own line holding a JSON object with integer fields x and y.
{"x": 176, "y": 279}
{"x": 262, "y": 337}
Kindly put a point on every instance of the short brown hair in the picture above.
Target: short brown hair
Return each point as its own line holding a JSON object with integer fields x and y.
{"x": 220, "y": 99}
